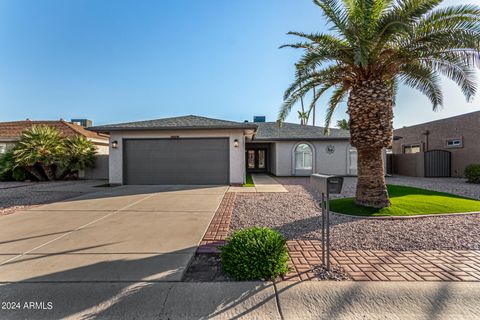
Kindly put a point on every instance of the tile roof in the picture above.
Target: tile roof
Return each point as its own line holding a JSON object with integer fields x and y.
{"x": 183, "y": 122}
{"x": 13, "y": 130}
{"x": 293, "y": 131}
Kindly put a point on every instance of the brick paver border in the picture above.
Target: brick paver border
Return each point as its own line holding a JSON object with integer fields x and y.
{"x": 360, "y": 265}
{"x": 379, "y": 265}
{"x": 217, "y": 231}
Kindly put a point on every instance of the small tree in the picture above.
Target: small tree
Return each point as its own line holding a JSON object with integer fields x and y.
{"x": 40, "y": 146}
{"x": 79, "y": 153}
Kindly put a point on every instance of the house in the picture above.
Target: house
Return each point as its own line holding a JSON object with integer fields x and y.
{"x": 10, "y": 133}
{"x": 199, "y": 150}
{"x": 456, "y": 138}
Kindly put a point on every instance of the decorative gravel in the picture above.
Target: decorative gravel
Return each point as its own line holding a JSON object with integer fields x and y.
{"x": 20, "y": 196}
{"x": 296, "y": 216}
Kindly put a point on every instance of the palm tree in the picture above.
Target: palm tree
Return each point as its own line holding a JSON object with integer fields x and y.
{"x": 79, "y": 153}
{"x": 376, "y": 45}
{"x": 303, "y": 116}
{"x": 41, "y": 145}
{"x": 343, "y": 124}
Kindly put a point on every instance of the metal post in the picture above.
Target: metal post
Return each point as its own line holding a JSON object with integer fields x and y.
{"x": 328, "y": 230}
{"x": 323, "y": 228}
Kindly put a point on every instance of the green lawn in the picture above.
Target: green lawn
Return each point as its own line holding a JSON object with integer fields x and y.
{"x": 407, "y": 201}
{"x": 249, "y": 181}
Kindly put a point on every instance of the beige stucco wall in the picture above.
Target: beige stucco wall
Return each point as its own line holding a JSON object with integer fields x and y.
{"x": 465, "y": 127}
{"x": 237, "y": 154}
{"x": 336, "y": 163}
{"x": 101, "y": 149}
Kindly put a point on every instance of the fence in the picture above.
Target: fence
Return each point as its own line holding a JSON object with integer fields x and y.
{"x": 100, "y": 171}
{"x": 433, "y": 163}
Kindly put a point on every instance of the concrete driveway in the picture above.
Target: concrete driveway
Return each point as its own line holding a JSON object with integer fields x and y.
{"x": 128, "y": 233}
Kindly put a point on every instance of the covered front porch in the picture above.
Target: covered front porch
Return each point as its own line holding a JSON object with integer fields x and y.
{"x": 259, "y": 157}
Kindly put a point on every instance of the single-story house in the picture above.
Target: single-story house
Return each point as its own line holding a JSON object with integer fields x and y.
{"x": 198, "y": 150}
{"x": 10, "y": 133}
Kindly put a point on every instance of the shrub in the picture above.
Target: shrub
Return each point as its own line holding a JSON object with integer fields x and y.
{"x": 255, "y": 253}
{"x": 6, "y": 166}
{"x": 18, "y": 174}
{"x": 472, "y": 172}
{"x": 42, "y": 146}
{"x": 79, "y": 153}
{"x": 42, "y": 153}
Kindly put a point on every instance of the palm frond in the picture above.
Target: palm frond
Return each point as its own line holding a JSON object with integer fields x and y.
{"x": 424, "y": 80}
{"x": 337, "y": 96}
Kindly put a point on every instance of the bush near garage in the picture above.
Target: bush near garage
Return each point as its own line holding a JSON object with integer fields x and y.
{"x": 472, "y": 173}
{"x": 256, "y": 253}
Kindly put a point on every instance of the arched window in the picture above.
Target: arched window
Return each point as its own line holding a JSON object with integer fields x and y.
{"x": 303, "y": 157}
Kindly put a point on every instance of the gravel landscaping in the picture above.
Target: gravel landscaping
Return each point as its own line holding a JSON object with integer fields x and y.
{"x": 19, "y": 196}
{"x": 296, "y": 216}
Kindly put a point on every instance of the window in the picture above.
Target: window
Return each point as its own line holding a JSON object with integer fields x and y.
{"x": 3, "y": 148}
{"x": 454, "y": 143}
{"x": 261, "y": 159}
{"x": 251, "y": 159}
{"x": 303, "y": 157}
{"x": 413, "y": 148}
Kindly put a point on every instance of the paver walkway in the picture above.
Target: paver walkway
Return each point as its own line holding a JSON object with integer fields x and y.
{"x": 379, "y": 265}
{"x": 360, "y": 265}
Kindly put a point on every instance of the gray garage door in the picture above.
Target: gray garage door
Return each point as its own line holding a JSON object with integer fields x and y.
{"x": 176, "y": 161}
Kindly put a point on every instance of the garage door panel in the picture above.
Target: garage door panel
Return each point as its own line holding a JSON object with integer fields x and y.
{"x": 176, "y": 161}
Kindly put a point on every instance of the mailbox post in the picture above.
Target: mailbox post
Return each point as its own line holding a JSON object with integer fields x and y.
{"x": 326, "y": 185}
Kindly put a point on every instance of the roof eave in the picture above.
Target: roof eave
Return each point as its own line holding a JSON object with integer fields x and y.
{"x": 109, "y": 129}
{"x": 301, "y": 139}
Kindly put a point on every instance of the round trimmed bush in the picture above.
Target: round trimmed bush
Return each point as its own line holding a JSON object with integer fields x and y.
{"x": 472, "y": 173}
{"x": 255, "y": 253}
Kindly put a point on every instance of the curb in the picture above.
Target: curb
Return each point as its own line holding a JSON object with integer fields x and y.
{"x": 407, "y": 217}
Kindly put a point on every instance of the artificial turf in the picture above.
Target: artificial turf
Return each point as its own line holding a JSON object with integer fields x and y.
{"x": 407, "y": 201}
{"x": 249, "y": 181}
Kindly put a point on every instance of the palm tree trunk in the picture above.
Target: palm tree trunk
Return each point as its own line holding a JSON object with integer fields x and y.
{"x": 370, "y": 106}
{"x": 48, "y": 171}
{"x": 313, "y": 118}
{"x": 34, "y": 172}
{"x": 371, "y": 188}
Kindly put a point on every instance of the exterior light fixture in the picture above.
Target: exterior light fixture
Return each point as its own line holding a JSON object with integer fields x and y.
{"x": 235, "y": 143}
{"x": 114, "y": 144}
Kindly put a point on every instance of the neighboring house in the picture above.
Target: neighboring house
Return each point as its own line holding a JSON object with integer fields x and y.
{"x": 458, "y": 137}
{"x": 199, "y": 150}
{"x": 10, "y": 133}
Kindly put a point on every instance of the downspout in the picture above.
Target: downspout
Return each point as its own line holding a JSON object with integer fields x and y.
{"x": 426, "y": 133}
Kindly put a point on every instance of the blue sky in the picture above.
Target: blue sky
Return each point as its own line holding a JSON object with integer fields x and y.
{"x": 116, "y": 61}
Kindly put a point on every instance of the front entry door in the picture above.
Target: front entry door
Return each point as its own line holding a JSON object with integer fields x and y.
{"x": 256, "y": 160}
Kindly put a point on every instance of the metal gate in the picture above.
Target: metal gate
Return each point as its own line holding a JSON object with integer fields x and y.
{"x": 437, "y": 163}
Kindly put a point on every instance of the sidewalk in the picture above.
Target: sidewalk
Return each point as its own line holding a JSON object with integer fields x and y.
{"x": 263, "y": 183}
{"x": 246, "y": 300}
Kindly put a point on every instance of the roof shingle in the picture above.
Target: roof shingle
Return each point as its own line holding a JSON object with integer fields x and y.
{"x": 183, "y": 122}
{"x": 13, "y": 130}
{"x": 293, "y": 131}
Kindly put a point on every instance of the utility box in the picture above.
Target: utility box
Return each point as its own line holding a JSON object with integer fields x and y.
{"x": 328, "y": 184}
